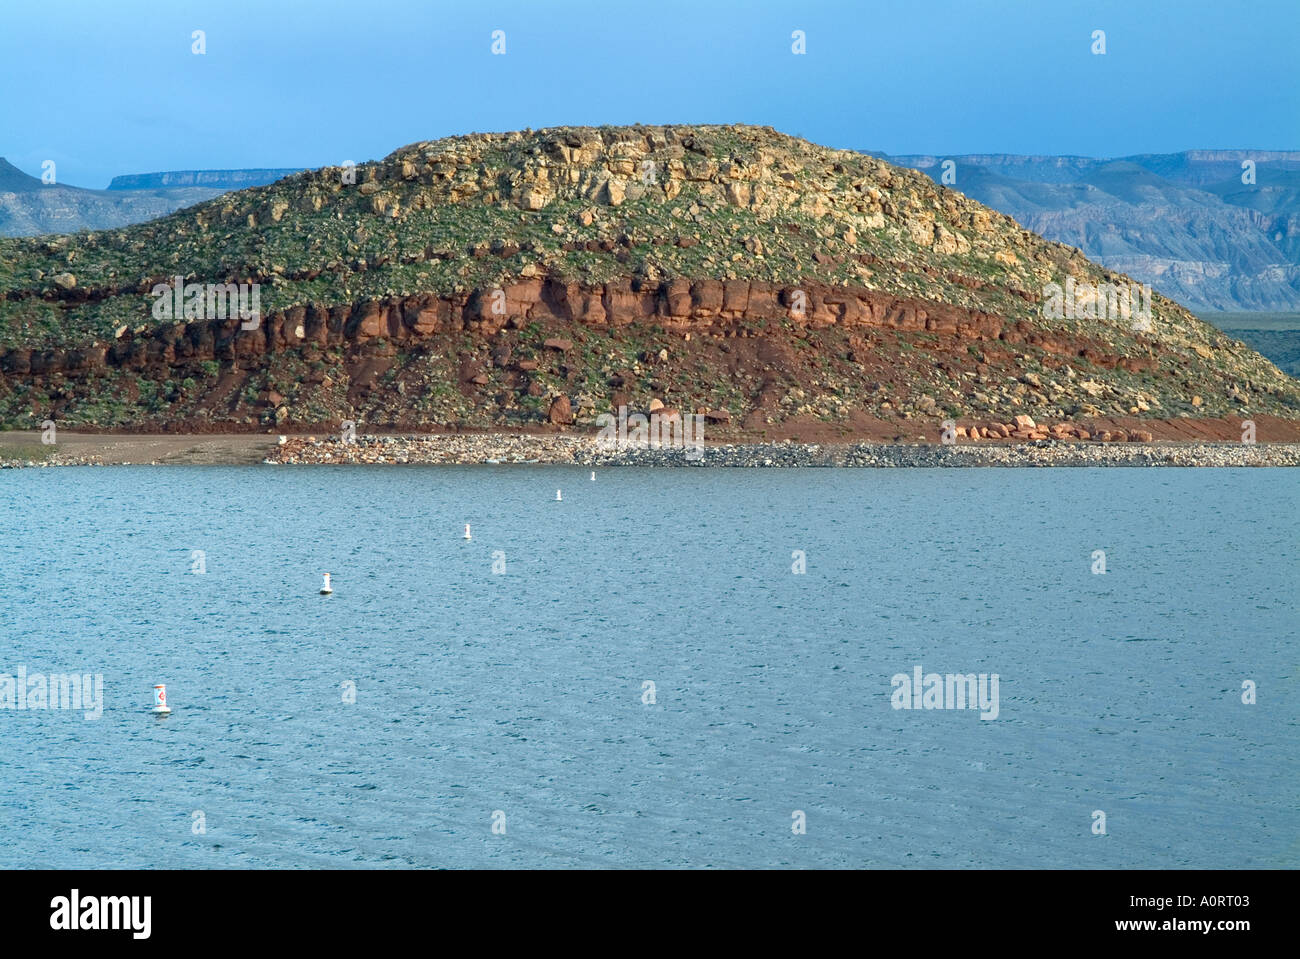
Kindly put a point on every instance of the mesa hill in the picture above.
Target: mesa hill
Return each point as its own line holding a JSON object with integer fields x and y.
{"x": 519, "y": 279}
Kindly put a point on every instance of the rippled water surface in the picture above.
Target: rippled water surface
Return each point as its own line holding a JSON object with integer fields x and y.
{"x": 524, "y": 692}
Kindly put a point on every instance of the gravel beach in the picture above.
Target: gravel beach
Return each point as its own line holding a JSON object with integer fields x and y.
{"x": 587, "y": 451}
{"x": 569, "y": 449}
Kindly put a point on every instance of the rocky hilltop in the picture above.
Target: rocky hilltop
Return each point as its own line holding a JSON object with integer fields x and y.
{"x": 539, "y": 278}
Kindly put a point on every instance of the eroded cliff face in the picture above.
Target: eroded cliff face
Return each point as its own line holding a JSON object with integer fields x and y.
{"x": 680, "y": 306}
{"x": 753, "y": 356}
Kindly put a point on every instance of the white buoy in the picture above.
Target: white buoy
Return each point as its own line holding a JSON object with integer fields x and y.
{"x": 558, "y": 497}
{"x": 325, "y": 587}
{"x": 160, "y": 707}
{"x": 467, "y": 536}
{"x": 593, "y": 476}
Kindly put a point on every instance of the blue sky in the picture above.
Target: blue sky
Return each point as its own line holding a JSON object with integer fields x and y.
{"x": 107, "y": 88}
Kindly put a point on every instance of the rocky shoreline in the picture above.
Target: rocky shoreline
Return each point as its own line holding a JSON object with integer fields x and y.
{"x": 588, "y": 451}
{"x": 579, "y": 450}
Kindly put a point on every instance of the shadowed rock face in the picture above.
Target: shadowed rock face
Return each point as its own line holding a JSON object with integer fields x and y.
{"x": 478, "y": 280}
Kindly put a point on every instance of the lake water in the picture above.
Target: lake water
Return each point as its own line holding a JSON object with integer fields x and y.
{"x": 521, "y": 698}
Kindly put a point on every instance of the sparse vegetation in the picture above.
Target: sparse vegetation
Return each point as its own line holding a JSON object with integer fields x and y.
{"x": 473, "y": 214}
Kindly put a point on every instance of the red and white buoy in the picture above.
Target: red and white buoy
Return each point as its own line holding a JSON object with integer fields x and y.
{"x": 160, "y": 707}
{"x": 325, "y": 587}
{"x": 558, "y": 497}
{"x": 467, "y": 536}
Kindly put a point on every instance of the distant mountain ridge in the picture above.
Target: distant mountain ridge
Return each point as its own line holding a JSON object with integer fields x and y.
{"x": 14, "y": 180}
{"x": 1184, "y": 222}
{"x": 211, "y": 179}
{"x": 30, "y": 207}
{"x": 1190, "y": 167}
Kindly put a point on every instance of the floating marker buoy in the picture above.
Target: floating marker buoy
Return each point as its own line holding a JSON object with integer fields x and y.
{"x": 160, "y": 707}
{"x": 325, "y": 587}
{"x": 467, "y": 536}
{"x": 558, "y": 497}
{"x": 593, "y": 476}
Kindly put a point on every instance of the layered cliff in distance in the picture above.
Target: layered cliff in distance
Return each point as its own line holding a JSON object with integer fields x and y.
{"x": 223, "y": 180}
{"x": 543, "y": 277}
{"x": 29, "y": 207}
{"x": 1184, "y": 222}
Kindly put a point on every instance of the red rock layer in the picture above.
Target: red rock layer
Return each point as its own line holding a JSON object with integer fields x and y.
{"x": 677, "y": 305}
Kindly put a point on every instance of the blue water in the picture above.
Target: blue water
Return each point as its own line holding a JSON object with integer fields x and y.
{"x": 522, "y": 693}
